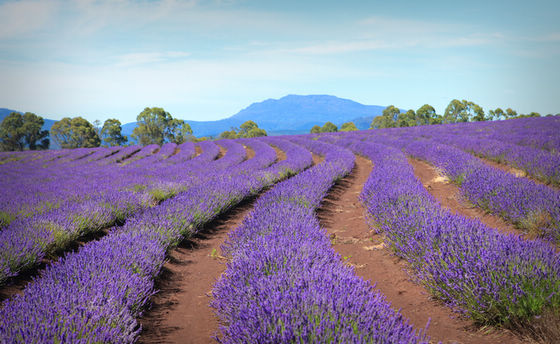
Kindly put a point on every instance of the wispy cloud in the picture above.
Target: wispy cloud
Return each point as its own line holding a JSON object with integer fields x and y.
{"x": 135, "y": 59}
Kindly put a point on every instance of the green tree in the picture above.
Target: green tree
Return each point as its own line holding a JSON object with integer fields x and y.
{"x": 111, "y": 133}
{"x": 229, "y": 134}
{"x": 155, "y": 125}
{"x": 329, "y": 127}
{"x": 406, "y": 119}
{"x": 348, "y": 126}
{"x": 462, "y": 111}
{"x": 315, "y": 129}
{"x": 425, "y": 115}
{"x": 34, "y": 136}
{"x": 74, "y": 133}
{"x": 497, "y": 114}
{"x": 11, "y": 134}
{"x": 388, "y": 118}
{"x": 18, "y": 132}
{"x": 510, "y": 113}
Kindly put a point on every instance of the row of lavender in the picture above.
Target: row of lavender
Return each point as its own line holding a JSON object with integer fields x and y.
{"x": 515, "y": 143}
{"x": 98, "y": 203}
{"x": 286, "y": 284}
{"x": 491, "y": 277}
{"x": 94, "y": 294}
{"x": 38, "y": 185}
{"x": 530, "y": 206}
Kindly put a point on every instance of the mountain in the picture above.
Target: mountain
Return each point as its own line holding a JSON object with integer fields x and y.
{"x": 292, "y": 114}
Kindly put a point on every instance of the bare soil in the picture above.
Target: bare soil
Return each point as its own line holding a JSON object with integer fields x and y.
{"x": 197, "y": 151}
{"x": 449, "y": 196}
{"x": 280, "y": 154}
{"x": 181, "y": 312}
{"x": 250, "y": 152}
{"x": 342, "y": 215}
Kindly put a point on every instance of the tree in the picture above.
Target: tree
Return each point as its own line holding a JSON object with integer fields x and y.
{"x": 111, "y": 133}
{"x": 510, "y": 113}
{"x": 11, "y": 134}
{"x": 74, "y": 133}
{"x": 315, "y": 129}
{"x": 348, "y": 126}
{"x": 229, "y": 134}
{"x": 425, "y": 115}
{"x": 462, "y": 111}
{"x": 329, "y": 127}
{"x": 388, "y": 118}
{"x": 34, "y": 137}
{"x": 18, "y": 132}
{"x": 247, "y": 129}
{"x": 494, "y": 115}
{"x": 407, "y": 119}
{"x": 155, "y": 125}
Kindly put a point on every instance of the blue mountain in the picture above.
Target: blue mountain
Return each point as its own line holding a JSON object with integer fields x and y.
{"x": 292, "y": 114}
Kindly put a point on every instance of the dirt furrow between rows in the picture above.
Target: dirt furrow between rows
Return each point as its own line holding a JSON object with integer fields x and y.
{"x": 343, "y": 216}
{"x": 449, "y": 196}
{"x": 181, "y": 312}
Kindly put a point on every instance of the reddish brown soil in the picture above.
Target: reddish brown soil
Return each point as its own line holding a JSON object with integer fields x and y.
{"x": 221, "y": 153}
{"x": 197, "y": 151}
{"x": 342, "y": 215}
{"x": 181, "y": 311}
{"x": 449, "y": 196}
{"x": 250, "y": 152}
{"x": 280, "y": 155}
{"x": 317, "y": 159}
{"x": 516, "y": 172}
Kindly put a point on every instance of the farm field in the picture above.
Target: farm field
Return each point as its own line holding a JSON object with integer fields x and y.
{"x": 435, "y": 233}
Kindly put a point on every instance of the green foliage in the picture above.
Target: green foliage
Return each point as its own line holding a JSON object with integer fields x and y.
{"x": 18, "y": 132}
{"x": 388, "y": 118}
{"x": 111, "y": 133}
{"x": 329, "y": 127}
{"x": 463, "y": 111}
{"x": 75, "y": 133}
{"x": 156, "y": 126}
{"x": 246, "y": 130}
{"x": 426, "y": 114}
{"x": 315, "y": 130}
{"x": 407, "y": 119}
{"x": 348, "y": 126}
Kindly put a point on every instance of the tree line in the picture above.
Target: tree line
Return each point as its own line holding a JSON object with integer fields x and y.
{"x": 157, "y": 126}
{"x": 457, "y": 111}
{"x": 154, "y": 126}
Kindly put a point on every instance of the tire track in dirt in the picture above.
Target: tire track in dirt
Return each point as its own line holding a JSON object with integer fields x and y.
{"x": 449, "y": 196}
{"x": 342, "y": 215}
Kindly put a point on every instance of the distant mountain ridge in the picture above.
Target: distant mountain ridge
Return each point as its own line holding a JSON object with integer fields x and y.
{"x": 292, "y": 114}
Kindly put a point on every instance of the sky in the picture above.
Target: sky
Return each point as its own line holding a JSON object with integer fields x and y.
{"x": 206, "y": 60}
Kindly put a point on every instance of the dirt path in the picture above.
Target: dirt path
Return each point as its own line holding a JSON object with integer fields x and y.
{"x": 342, "y": 215}
{"x": 181, "y": 312}
{"x": 197, "y": 151}
{"x": 516, "y": 172}
{"x": 449, "y": 196}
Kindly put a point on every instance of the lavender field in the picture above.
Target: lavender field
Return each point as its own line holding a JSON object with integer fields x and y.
{"x": 85, "y": 235}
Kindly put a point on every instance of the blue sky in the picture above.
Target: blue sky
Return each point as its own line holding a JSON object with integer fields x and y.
{"x": 206, "y": 60}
